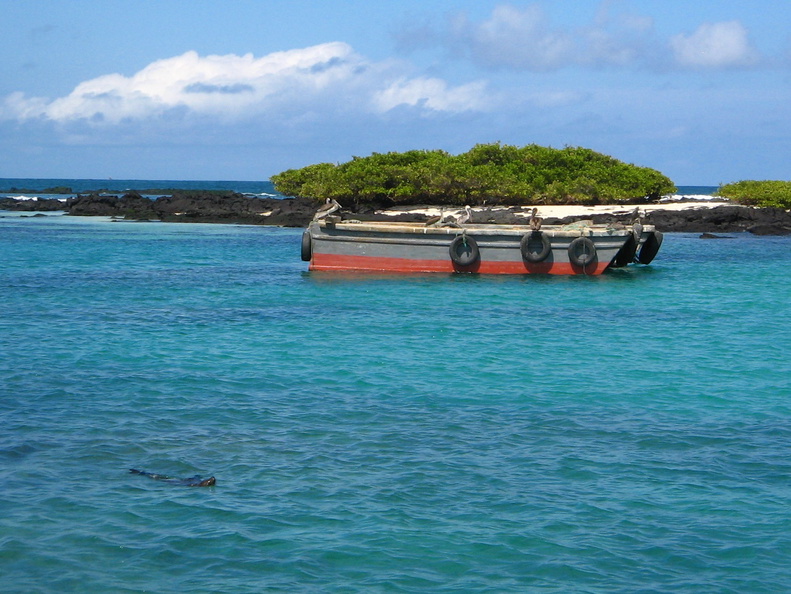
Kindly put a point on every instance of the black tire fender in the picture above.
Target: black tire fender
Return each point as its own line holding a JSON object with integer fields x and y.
{"x": 307, "y": 246}
{"x": 650, "y": 248}
{"x": 464, "y": 251}
{"x": 582, "y": 252}
{"x": 626, "y": 254}
{"x": 535, "y": 247}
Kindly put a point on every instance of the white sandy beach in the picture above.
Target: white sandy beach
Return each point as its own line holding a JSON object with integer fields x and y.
{"x": 561, "y": 211}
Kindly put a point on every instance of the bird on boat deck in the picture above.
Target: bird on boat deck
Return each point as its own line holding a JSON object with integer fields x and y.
{"x": 466, "y": 216}
{"x": 535, "y": 221}
{"x": 436, "y": 221}
{"x": 329, "y": 207}
{"x": 441, "y": 221}
{"x": 637, "y": 224}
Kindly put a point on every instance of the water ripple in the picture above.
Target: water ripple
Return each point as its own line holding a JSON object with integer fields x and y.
{"x": 620, "y": 434}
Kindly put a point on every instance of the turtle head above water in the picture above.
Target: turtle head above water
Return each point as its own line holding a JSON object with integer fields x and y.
{"x": 209, "y": 482}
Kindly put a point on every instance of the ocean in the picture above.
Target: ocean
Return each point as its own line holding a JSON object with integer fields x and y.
{"x": 26, "y": 188}
{"x": 32, "y": 188}
{"x": 629, "y": 432}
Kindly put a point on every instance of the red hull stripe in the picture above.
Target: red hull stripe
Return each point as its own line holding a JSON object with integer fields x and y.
{"x": 370, "y": 264}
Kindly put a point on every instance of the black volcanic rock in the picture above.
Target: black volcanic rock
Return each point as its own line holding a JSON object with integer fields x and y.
{"x": 723, "y": 219}
{"x": 39, "y": 204}
{"x": 713, "y": 236}
{"x": 770, "y": 229}
{"x": 92, "y": 205}
{"x": 720, "y": 219}
{"x": 197, "y": 207}
{"x": 209, "y": 206}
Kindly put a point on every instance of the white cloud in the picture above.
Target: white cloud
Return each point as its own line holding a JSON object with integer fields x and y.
{"x": 236, "y": 88}
{"x": 433, "y": 94}
{"x": 514, "y": 38}
{"x": 524, "y": 39}
{"x": 715, "y": 45}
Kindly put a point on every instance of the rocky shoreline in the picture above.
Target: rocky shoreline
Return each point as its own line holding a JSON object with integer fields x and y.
{"x": 234, "y": 208}
{"x": 188, "y": 206}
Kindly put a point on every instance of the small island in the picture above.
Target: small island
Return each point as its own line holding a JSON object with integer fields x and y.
{"x": 488, "y": 174}
{"x": 763, "y": 194}
{"x": 500, "y": 182}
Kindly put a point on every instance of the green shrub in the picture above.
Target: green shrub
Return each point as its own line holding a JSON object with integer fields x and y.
{"x": 767, "y": 193}
{"x": 487, "y": 173}
{"x": 58, "y": 190}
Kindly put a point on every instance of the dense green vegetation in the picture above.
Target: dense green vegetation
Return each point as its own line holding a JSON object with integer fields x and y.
{"x": 775, "y": 194}
{"x": 488, "y": 173}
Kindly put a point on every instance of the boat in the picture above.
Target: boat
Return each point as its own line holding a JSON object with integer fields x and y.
{"x": 331, "y": 243}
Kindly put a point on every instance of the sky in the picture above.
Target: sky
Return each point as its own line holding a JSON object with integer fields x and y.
{"x": 244, "y": 89}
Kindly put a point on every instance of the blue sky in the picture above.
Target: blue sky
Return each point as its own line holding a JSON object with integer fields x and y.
{"x": 242, "y": 89}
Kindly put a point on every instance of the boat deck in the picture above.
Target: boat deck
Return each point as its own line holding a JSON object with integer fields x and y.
{"x": 479, "y": 229}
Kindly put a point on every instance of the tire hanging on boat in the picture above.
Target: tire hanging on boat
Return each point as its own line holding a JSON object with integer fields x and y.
{"x": 307, "y": 246}
{"x": 464, "y": 251}
{"x": 650, "y": 248}
{"x": 626, "y": 254}
{"x": 582, "y": 252}
{"x": 535, "y": 247}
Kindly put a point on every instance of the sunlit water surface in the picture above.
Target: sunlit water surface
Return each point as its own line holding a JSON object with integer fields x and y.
{"x": 624, "y": 433}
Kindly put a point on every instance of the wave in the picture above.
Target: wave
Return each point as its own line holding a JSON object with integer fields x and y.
{"x": 25, "y": 197}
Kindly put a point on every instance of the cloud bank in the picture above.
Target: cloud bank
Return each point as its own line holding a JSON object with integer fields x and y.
{"x": 331, "y": 79}
{"x": 523, "y": 39}
{"x": 231, "y": 88}
{"x": 715, "y": 45}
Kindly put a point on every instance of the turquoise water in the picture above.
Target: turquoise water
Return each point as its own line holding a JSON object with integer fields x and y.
{"x": 623, "y": 433}
{"x": 38, "y": 186}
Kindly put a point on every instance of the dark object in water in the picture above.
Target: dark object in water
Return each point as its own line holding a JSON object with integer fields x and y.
{"x": 650, "y": 248}
{"x": 193, "y": 481}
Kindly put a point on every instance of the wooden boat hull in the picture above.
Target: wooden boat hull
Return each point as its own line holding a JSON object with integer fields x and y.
{"x": 475, "y": 248}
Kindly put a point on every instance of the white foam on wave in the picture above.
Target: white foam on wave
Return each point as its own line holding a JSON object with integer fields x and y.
{"x": 22, "y": 197}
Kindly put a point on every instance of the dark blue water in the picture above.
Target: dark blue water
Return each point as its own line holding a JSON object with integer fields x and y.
{"x": 10, "y": 187}
{"x": 30, "y": 188}
{"x": 623, "y": 433}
